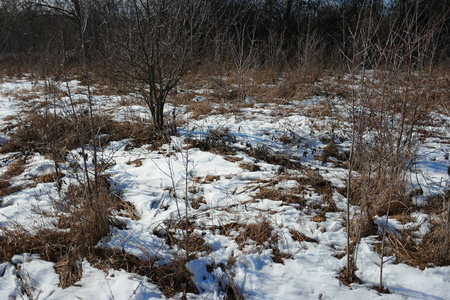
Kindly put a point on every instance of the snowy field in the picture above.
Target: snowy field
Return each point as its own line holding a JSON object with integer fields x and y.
{"x": 264, "y": 230}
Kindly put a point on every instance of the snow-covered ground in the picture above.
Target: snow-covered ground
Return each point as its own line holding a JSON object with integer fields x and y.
{"x": 229, "y": 196}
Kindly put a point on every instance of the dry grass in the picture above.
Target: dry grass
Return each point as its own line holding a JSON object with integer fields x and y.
{"x": 347, "y": 278}
{"x": 330, "y": 150}
{"x": 124, "y": 208}
{"x": 278, "y": 257}
{"x": 49, "y": 177}
{"x": 320, "y": 186}
{"x": 233, "y": 158}
{"x": 181, "y": 234}
{"x": 41, "y": 133}
{"x": 86, "y": 217}
{"x": 16, "y": 168}
{"x": 211, "y": 178}
{"x": 300, "y": 237}
{"x": 9, "y": 118}
{"x": 250, "y": 167}
{"x": 432, "y": 251}
{"x": 438, "y": 204}
{"x": 260, "y": 233}
{"x": 174, "y": 278}
{"x": 197, "y": 202}
{"x": 4, "y": 184}
{"x": 434, "y": 248}
{"x": 51, "y": 245}
{"x": 137, "y": 162}
{"x": 53, "y": 135}
{"x": 6, "y": 189}
{"x": 199, "y": 109}
{"x": 229, "y": 229}
{"x": 284, "y": 92}
{"x": 320, "y": 217}
{"x": 171, "y": 278}
{"x": 21, "y": 95}
{"x": 323, "y": 109}
{"x": 287, "y": 196}
{"x": 268, "y": 155}
{"x": 404, "y": 218}
{"x": 217, "y": 141}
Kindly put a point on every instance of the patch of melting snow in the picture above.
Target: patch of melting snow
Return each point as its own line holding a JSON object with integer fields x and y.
{"x": 308, "y": 271}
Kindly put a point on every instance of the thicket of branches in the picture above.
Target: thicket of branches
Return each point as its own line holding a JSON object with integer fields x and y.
{"x": 275, "y": 32}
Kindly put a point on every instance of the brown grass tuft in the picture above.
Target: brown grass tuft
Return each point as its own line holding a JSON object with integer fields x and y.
{"x": 171, "y": 278}
{"x": 300, "y": 237}
{"x": 174, "y": 278}
{"x": 268, "y": 155}
{"x": 199, "y": 109}
{"x": 137, "y": 162}
{"x": 49, "y": 177}
{"x": 211, "y": 178}
{"x": 15, "y": 168}
{"x": 250, "y": 167}
{"x": 432, "y": 251}
{"x": 197, "y": 202}
{"x": 6, "y": 189}
{"x": 86, "y": 218}
{"x": 124, "y": 208}
{"x": 53, "y": 135}
{"x": 287, "y": 196}
{"x": 233, "y": 158}
{"x": 258, "y": 232}
{"x": 217, "y": 141}
{"x": 320, "y": 217}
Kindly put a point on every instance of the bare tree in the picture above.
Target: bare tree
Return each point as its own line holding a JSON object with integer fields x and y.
{"x": 153, "y": 45}
{"x": 243, "y": 26}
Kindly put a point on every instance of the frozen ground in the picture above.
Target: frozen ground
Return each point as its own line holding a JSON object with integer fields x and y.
{"x": 228, "y": 192}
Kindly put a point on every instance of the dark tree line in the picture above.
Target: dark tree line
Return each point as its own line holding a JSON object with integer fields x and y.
{"x": 277, "y": 28}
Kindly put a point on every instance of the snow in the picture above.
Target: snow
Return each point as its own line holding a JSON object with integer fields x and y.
{"x": 42, "y": 283}
{"x": 308, "y": 272}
